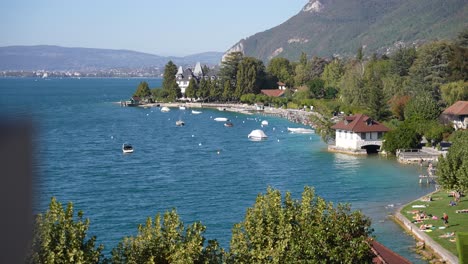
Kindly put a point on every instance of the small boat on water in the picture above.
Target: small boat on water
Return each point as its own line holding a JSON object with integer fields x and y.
{"x": 257, "y": 135}
{"x": 165, "y": 109}
{"x": 264, "y": 123}
{"x": 300, "y": 130}
{"x": 221, "y": 119}
{"x": 182, "y": 107}
{"x": 228, "y": 124}
{"x": 196, "y": 112}
{"x": 127, "y": 148}
{"x": 180, "y": 123}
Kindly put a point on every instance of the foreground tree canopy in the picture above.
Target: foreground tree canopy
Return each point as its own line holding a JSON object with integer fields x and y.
{"x": 453, "y": 169}
{"x": 275, "y": 230}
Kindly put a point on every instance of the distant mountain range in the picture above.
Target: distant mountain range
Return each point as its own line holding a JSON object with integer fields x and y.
{"x": 339, "y": 27}
{"x": 55, "y": 58}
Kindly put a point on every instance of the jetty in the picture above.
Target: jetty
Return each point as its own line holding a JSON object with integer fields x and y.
{"x": 413, "y": 156}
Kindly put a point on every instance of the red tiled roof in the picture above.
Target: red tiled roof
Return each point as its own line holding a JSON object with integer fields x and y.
{"x": 272, "y": 92}
{"x": 458, "y": 108}
{"x": 385, "y": 255}
{"x": 281, "y": 83}
{"x": 360, "y": 123}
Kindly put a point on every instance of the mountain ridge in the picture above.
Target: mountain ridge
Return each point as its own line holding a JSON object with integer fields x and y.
{"x": 338, "y": 27}
{"x": 59, "y": 58}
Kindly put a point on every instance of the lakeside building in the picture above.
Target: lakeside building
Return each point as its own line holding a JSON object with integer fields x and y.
{"x": 280, "y": 92}
{"x": 457, "y": 114}
{"x": 183, "y": 77}
{"x": 358, "y": 134}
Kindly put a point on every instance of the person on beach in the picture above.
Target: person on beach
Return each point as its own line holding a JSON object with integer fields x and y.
{"x": 445, "y": 219}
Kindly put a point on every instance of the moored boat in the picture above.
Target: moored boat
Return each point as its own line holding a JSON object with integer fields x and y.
{"x": 165, "y": 109}
{"x": 228, "y": 124}
{"x": 196, "y": 112}
{"x": 257, "y": 135}
{"x": 127, "y": 148}
{"x": 264, "y": 123}
{"x": 301, "y": 130}
{"x": 221, "y": 119}
{"x": 180, "y": 123}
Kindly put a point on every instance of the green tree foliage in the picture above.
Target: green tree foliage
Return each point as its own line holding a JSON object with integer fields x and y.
{"x": 452, "y": 170}
{"x": 248, "y": 98}
{"x": 404, "y": 137}
{"x": 455, "y": 91}
{"x": 282, "y": 70}
{"x": 169, "y": 82}
{"x": 192, "y": 89}
{"x": 352, "y": 88}
{"x": 316, "y": 88}
{"x": 431, "y": 68}
{"x": 60, "y": 238}
{"x": 422, "y": 107}
{"x": 375, "y": 72}
{"x": 402, "y": 60}
{"x": 306, "y": 231}
{"x": 462, "y": 38}
{"x": 143, "y": 90}
{"x": 203, "y": 89}
{"x": 215, "y": 90}
{"x": 229, "y": 68}
{"x": 397, "y": 106}
{"x": 167, "y": 240}
{"x": 250, "y": 76}
{"x": 332, "y": 73}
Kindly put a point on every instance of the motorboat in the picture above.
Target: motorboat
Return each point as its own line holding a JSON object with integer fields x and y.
{"x": 180, "y": 123}
{"x": 196, "y": 112}
{"x": 228, "y": 124}
{"x": 257, "y": 135}
{"x": 264, "y": 123}
{"x": 127, "y": 148}
{"x": 165, "y": 109}
{"x": 221, "y": 119}
{"x": 300, "y": 130}
{"x": 182, "y": 107}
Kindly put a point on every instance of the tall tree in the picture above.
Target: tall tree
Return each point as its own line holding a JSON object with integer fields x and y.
{"x": 192, "y": 89}
{"x": 59, "y": 238}
{"x": 402, "y": 60}
{"x": 281, "y": 69}
{"x": 431, "y": 68}
{"x": 332, "y": 73}
{"x": 169, "y": 81}
{"x": 452, "y": 170}
{"x": 352, "y": 88}
{"x": 292, "y": 231}
{"x": 143, "y": 90}
{"x": 250, "y": 76}
{"x": 229, "y": 67}
{"x": 203, "y": 90}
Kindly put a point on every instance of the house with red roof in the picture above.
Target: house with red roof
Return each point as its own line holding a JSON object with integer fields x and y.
{"x": 457, "y": 114}
{"x": 358, "y": 134}
{"x": 272, "y": 92}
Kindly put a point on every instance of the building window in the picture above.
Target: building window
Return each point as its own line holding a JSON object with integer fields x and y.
{"x": 379, "y": 135}
{"x": 363, "y": 136}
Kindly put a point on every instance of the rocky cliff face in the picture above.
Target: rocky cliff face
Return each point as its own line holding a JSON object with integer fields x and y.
{"x": 339, "y": 27}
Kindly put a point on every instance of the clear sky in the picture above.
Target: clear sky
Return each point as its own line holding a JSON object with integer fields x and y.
{"x": 177, "y": 27}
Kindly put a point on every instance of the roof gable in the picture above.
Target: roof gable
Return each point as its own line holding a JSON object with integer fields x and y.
{"x": 458, "y": 108}
{"x": 272, "y": 92}
{"x": 360, "y": 123}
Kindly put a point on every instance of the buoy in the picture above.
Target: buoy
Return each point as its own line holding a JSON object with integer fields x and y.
{"x": 112, "y": 137}
{"x": 278, "y": 140}
{"x": 218, "y": 152}
{"x": 147, "y": 114}
{"x": 199, "y": 144}
{"x": 193, "y": 135}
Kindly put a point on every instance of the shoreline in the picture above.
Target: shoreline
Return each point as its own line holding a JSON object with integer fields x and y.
{"x": 421, "y": 236}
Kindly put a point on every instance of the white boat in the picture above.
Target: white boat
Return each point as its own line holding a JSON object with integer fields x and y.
{"x": 182, "y": 107}
{"x": 228, "y": 124}
{"x": 196, "y": 112}
{"x": 257, "y": 134}
{"x": 221, "y": 119}
{"x": 127, "y": 148}
{"x": 165, "y": 109}
{"x": 180, "y": 123}
{"x": 300, "y": 130}
{"x": 264, "y": 123}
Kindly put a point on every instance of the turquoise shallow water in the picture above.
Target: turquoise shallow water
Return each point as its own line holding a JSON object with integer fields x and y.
{"x": 79, "y": 159}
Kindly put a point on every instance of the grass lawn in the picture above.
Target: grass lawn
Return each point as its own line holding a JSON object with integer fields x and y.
{"x": 458, "y": 222}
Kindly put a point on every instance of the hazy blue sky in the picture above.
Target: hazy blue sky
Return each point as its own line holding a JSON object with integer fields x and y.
{"x": 159, "y": 27}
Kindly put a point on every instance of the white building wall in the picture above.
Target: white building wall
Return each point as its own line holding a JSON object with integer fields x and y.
{"x": 351, "y": 140}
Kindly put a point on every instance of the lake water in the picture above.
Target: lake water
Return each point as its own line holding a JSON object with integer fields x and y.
{"x": 80, "y": 131}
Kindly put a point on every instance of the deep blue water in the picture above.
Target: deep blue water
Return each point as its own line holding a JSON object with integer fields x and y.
{"x": 80, "y": 131}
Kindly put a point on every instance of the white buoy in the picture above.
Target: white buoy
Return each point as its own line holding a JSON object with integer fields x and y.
{"x": 218, "y": 152}
{"x": 147, "y": 114}
{"x": 199, "y": 144}
{"x": 193, "y": 135}
{"x": 112, "y": 137}
{"x": 278, "y": 140}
